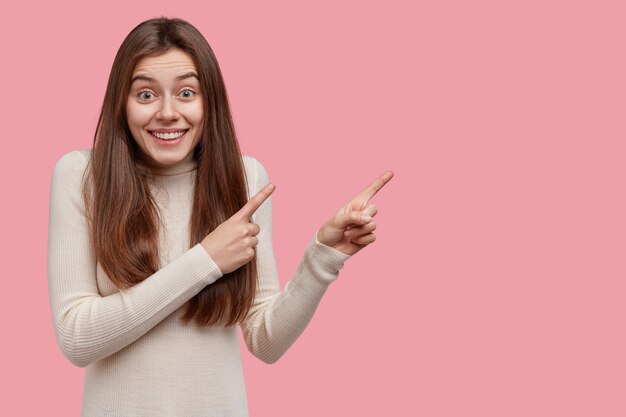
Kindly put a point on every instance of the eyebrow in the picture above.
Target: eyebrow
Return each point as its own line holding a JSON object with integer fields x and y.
{"x": 151, "y": 79}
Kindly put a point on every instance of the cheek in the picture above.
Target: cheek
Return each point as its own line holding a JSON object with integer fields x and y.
{"x": 137, "y": 116}
{"x": 197, "y": 114}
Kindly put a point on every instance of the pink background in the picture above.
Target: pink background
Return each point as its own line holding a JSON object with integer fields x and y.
{"x": 496, "y": 287}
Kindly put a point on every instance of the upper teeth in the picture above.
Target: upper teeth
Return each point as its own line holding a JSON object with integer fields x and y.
{"x": 170, "y": 135}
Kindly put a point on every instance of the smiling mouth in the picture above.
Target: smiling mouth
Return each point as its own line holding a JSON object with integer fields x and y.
{"x": 168, "y": 135}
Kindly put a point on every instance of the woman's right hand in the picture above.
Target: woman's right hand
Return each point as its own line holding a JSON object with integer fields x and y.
{"x": 352, "y": 228}
{"x": 232, "y": 244}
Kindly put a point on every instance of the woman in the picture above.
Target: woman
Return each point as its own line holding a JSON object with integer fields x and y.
{"x": 156, "y": 251}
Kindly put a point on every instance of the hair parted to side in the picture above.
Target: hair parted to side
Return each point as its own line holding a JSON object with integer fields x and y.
{"x": 122, "y": 212}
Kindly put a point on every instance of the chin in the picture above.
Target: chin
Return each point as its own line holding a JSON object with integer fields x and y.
{"x": 168, "y": 157}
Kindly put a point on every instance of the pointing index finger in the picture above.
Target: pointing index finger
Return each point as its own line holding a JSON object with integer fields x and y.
{"x": 374, "y": 187}
{"x": 255, "y": 202}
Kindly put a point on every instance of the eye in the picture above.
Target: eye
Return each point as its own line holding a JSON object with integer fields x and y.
{"x": 187, "y": 93}
{"x": 145, "y": 95}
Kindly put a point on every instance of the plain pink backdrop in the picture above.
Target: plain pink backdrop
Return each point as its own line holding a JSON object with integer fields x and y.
{"x": 496, "y": 287}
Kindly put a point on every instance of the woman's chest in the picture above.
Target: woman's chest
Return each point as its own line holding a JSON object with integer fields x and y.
{"x": 173, "y": 238}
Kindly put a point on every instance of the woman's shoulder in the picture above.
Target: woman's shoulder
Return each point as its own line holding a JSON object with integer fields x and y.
{"x": 254, "y": 169}
{"x": 71, "y": 166}
{"x": 256, "y": 174}
{"x": 73, "y": 160}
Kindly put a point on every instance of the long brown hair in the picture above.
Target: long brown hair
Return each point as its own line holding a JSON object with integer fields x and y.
{"x": 122, "y": 212}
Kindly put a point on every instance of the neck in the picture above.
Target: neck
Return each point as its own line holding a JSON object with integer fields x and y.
{"x": 186, "y": 165}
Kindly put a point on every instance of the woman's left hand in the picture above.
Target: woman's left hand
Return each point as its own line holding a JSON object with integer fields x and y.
{"x": 352, "y": 228}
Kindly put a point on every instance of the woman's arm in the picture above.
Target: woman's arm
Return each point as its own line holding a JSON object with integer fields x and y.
{"x": 88, "y": 326}
{"x": 277, "y": 317}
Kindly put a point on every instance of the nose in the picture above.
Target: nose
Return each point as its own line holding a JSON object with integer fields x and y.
{"x": 168, "y": 110}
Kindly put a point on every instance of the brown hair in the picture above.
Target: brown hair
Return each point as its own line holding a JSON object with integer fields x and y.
{"x": 127, "y": 248}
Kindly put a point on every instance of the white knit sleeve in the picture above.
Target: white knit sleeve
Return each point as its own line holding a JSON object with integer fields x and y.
{"x": 88, "y": 326}
{"x": 278, "y": 317}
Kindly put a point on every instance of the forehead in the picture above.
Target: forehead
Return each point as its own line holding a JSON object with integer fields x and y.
{"x": 173, "y": 61}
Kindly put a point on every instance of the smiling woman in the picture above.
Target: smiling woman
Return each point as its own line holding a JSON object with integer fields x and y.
{"x": 160, "y": 241}
{"x": 164, "y": 108}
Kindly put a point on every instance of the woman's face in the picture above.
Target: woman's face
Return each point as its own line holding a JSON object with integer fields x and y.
{"x": 164, "y": 107}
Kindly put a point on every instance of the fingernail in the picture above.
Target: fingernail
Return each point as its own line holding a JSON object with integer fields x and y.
{"x": 366, "y": 218}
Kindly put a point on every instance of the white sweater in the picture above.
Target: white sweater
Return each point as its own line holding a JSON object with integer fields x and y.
{"x": 141, "y": 359}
